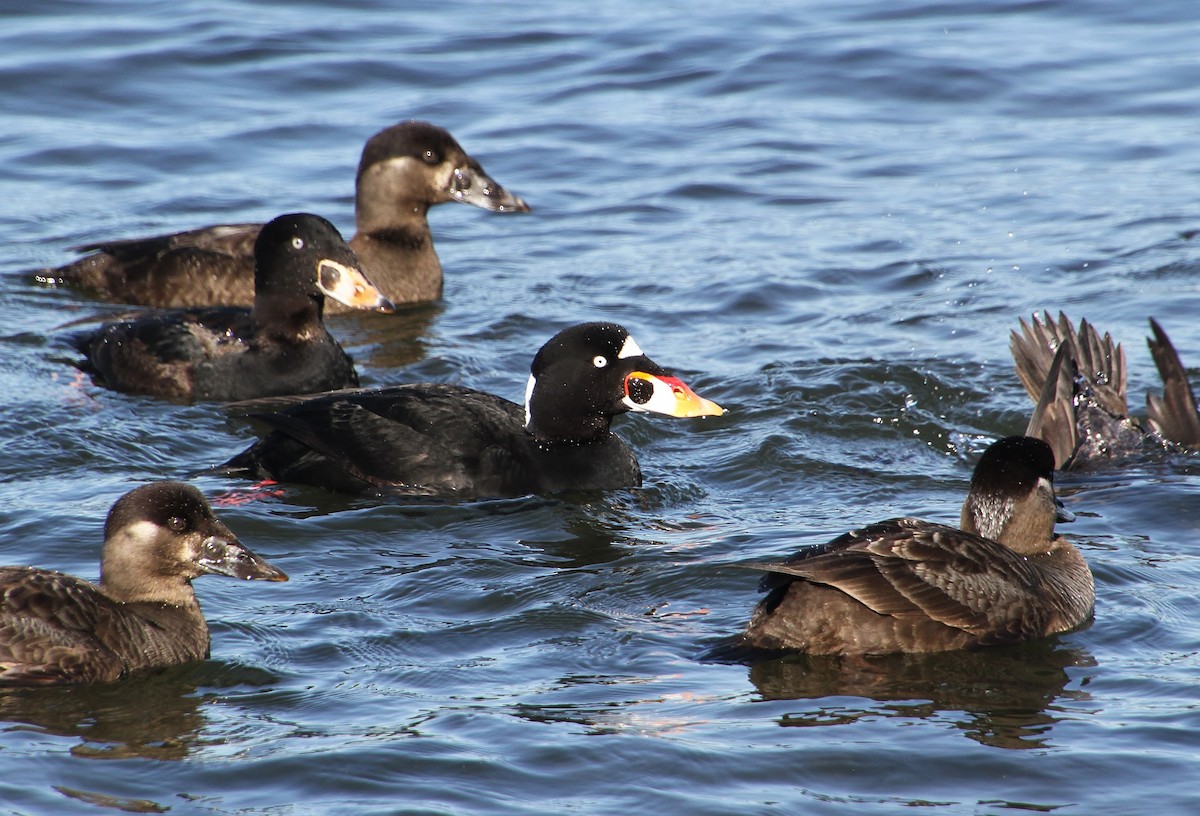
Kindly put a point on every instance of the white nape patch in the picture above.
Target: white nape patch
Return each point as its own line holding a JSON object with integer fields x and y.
{"x": 528, "y": 397}
{"x": 630, "y": 349}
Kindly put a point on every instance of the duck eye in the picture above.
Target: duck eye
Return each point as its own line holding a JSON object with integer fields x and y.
{"x": 430, "y": 157}
{"x": 298, "y": 243}
{"x": 599, "y": 361}
{"x": 177, "y": 524}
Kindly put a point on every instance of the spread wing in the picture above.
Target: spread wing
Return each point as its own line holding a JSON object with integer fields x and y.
{"x": 48, "y": 630}
{"x": 1098, "y": 360}
{"x": 916, "y": 569}
{"x": 1173, "y": 415}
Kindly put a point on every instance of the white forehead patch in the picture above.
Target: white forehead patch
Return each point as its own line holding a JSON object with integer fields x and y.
{"x": 630, "y": 349}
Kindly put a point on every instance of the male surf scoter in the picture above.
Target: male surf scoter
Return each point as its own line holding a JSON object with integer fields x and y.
{"x": 280, "y": 346}
{"x": 1088, "y": 419}
{"x": 907, "y": 585}
{"x": 449, "y": 441}
{"x": 405, "y": 169}
{"x": 55, "y": 628}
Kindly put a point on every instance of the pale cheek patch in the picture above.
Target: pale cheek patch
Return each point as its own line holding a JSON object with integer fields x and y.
{"x": 145, "y": 531}
{"x": 630, "y": 349}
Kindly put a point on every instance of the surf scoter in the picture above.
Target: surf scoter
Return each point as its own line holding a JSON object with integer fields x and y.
{"x": 907, "y": 585}
{"x": 405, "y": 169}
{"x": 55, "y": 628}
{"x": 1090, "y": 422}
{"x": 280, "y": 346}
{"x": 450, "y": 441}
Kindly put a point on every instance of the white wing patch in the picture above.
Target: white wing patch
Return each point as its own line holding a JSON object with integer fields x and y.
{"x": 630, "y": 349}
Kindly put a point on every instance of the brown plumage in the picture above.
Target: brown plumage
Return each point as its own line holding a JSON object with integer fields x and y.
{"x": 404, "y": 170}
{"x": 1085, "y": 409}
{"x": 55, "y": 628}
{"x": 907, "y": 585}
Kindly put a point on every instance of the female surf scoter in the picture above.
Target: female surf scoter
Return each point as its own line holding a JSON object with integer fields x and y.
{"x": 55, "y": 628}
{"x": 907, "y": 585}
{"x": 404, "y": 170}
{"x": 280, "y": 346}
{"x": 450, "y": 441}
{"x": 1089, "y": 423}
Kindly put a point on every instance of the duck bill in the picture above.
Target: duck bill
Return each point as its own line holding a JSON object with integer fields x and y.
{"x": 227, "y": 556}
{"x": 662, "y": 394}
{"x": 348, "y": 285}
{"x": 1061, "y": 514}
{"x": 471, "y": 185}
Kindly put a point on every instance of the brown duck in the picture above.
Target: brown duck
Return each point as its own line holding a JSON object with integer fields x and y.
{"x": 404, "y": 170}
{"x": 143, "y": 614}
{"x": 907, "y": 585}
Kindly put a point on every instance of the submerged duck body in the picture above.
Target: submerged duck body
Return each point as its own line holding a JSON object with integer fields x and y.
{"x": 55, "y": 628}
{"x": 280, "y": 346}
{"x": 1087, "y": 420}
{"x": 908, "y": 585}
{"x": 450, "y": 441}
{"x": 404, "y": 170}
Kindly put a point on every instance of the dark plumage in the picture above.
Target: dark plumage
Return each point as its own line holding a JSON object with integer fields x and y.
{"x": 907, "y": 585}
{"x": 450, "y": 441}
{"x": 404, "y": 170}
{"x": 280, "y": 346}
{"x": 1086, "y": 411}
{"x": 55, "y": 628}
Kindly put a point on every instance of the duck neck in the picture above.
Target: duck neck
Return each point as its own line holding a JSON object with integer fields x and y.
{"x": 126, "y": 577}
{"x": 289, "y": 317}
{"x": 1024, "y": 525}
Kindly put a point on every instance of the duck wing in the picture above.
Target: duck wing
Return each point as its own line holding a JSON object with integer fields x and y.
{"x": 1053, "y": 418}
{"x": 1173, "y": 415}
{"x": 422, "y": 439}
{"x": 155, "y": 352}
{"x": 1098, "y": 360}
{"x": 51, "y": 630}
{"x": 208, "y": 266}
{"x": 911, "y": 568}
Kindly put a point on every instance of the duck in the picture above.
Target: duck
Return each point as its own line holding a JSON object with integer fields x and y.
{"x": 1088, "y": 421}
{"x": 454, "y": 442}
{"x": 404, "y": 170}
{"x": 59, "y": 629}
{"x": 907, "y": 585}
{"x": 227, "y": 353}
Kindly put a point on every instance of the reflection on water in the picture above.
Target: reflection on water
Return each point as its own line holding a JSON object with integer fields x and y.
{"x": 154, "y": 716}
{"x": 1003, "y": 697}
{"x": 386, "y": 342}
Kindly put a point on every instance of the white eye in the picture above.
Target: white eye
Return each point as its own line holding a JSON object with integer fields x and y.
{"x": 298, "y": 243}
{"x": 599, "y": 361}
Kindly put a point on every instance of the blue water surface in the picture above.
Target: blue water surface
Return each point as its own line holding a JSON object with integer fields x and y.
{"x": 825, "y": 216}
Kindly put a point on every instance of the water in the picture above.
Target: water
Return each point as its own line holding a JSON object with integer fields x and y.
{"x": 826, "y": 217}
